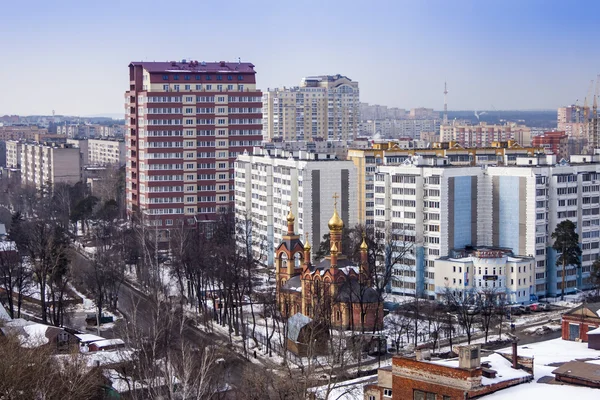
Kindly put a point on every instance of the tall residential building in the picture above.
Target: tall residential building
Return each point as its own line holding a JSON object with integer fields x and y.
{"x": 572, "y": 114}
{"x": 186, "y": 123}
{"x": 43, "y": 165}
{"x": 367, "y": 161}
{"x": 484, "y": 135}
{"x": 322, "y": 107}
{"x": 101, "y": 151}
{"x": 270, "y": 183}
{"x": 442, "y": 208}
{"x": 399, "y": 128}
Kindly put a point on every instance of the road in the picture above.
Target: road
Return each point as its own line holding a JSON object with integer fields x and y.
{"x": 132, "y": 303}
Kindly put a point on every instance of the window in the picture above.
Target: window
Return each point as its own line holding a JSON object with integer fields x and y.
{"x": 387, "y": 392}
{"x": 188, "y": 87}
{"x": 240, "y": 77}
{"x": 187, "y": 78}
{"x": 165, "y": 77}
{"x": 176, "y": 77}
{"x": 208, "y": 77}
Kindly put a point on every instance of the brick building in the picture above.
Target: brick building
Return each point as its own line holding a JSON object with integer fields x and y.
{"x": 468, "y": 377}
{"x": 579, "y": 321}
{"x": 186, "y": 124}
{"x": 555, "y": 142}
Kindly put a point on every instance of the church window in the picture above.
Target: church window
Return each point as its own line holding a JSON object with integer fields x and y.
{"x": 338, "y": 316}
{"x": 297, "y": 260}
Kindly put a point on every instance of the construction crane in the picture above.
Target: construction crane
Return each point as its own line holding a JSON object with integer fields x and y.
{"x": 588, "y": 95}
{"x": 445, "y": 104}
{"x": 596, "y": 93}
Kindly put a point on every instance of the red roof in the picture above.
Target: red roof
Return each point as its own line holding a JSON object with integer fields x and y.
{"x": 195, "y": 66}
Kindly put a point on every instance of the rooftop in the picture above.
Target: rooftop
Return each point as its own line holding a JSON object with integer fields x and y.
{"x": 579, "y": 370}
{"x": 195, "y": 66}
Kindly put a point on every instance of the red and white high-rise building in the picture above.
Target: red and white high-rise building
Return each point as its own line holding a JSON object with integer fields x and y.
{"x": 186, "y": 123}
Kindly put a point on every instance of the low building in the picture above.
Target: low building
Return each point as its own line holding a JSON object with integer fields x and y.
{"x": 485, "y": 269}
{"x": 594, "y": 339}
{"x": 577, "y": 323}
{"x": 554, "y": 142}
{"x": 578, "y": 373}
{"x": 468, "y": 377}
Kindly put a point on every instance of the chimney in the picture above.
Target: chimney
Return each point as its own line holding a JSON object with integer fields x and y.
{"x": 469, "y": 357}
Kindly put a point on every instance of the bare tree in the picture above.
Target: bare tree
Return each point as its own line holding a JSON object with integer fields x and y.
{"x": 466, "y": 310}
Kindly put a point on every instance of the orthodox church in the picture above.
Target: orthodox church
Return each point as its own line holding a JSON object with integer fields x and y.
{"x": 334, "y": 290}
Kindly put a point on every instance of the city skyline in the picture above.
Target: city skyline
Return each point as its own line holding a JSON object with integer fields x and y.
{"x": 503, "y": 56}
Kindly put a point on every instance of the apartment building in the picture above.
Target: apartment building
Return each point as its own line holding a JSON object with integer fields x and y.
{"x": 100, "y": 151}
{"x": 322, "y": 107}
{"x": 400, "y": 128}
{"x": 46, "y": 165}
{"x": 13, "y": 154}
{"x": 367, "y": 161}
{"x": 556, "y": 142}
{"x": 186, "y": 123}
{"x": 26, "y": 132}
{"x": 441, "y": 208}
{"x": 270, "y": 183}
{"x": 484, "y": 135}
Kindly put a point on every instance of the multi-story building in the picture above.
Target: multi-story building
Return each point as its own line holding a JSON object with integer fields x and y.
{"x": 270, "y": 183}
{"x": 47, "y": 165}
{"x": 367, "y": 160}
{"x": 400, "y": 128}
{"x": 483, "y": 135}
{"x": 13, "y": 154}
{"x": 27, "y": 132}
{"x": 572, "y": 114}
{"x": 325, "y": 107}
{"x": 100, "y": 151}
{"x": 186, "y": 123}
{"x": 439, "y": 208}
{"x": 553, "y": 142}
{"x": 423, "y": 113}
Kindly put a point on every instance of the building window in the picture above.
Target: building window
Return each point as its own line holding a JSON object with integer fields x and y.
{"x": 387, "y": 392}
{"x": 421, "y": 395}
{"x": 208, "y": 77}
{"x": 219, "y": 77}
{"x": 240, "y": 77}
{"x": 187, "y": 78}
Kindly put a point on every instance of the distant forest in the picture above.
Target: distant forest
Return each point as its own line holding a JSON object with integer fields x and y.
{"x": 537, "y": 119}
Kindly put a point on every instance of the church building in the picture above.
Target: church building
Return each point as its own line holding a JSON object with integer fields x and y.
{"x": 334, "y": 290}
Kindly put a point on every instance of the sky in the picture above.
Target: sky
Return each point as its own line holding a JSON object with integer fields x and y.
{"x": 72, "y": 56}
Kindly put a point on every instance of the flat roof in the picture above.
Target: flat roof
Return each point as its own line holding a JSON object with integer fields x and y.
{"x": 199, "y": 67}
{"x": 580, "y": 370}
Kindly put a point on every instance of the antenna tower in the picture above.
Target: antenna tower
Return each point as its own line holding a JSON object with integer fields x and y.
{"x": 445, "y": 103}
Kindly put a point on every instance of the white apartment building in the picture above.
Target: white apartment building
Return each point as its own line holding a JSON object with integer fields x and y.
{"x": 322, "y": 107}
{"x": 13, "y": 154}
{"x": 267, "y": 182}
{"x": 444, "y": 208}
{"x": 47, "y": 165}
{"x": 100, "y": 151}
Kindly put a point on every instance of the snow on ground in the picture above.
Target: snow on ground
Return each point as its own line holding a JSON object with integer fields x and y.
{"x": 544, "y": 353}
{"x": 351, "y": 390}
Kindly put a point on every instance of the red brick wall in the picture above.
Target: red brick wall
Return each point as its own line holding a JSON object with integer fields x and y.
{"x": 584, "y": 326}
{"x": 403, "y": 388}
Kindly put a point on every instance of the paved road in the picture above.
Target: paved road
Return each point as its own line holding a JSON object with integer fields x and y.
{"x": 132, "y": 303}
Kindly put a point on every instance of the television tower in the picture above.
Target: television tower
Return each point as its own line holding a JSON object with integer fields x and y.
{"x": 445, "y": 104}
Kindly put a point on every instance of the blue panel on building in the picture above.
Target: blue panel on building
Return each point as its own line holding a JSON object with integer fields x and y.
{"x": 462, "y": 212}
{"x": 508, "y": 209}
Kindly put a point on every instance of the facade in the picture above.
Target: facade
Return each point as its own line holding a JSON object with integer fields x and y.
{"x": 572, "y": 114}
{"x": 13, "y": 154}
{"x": 186, "y": 123}
{"x": 488, "y": 270}
{"x": 400, "y": 128}
{"x": 468, "y": 377}
{"x": 556, "y": 143}
{"x": 322, "y": 107}
{"x": 335, "y": 290}
{"x": 267, "y": 181}
{"x": 43, "y": 165}
{"x": 27, "y": 132}
{"x": 393, "y": 153}
{"x": 483, "y": 135}
{"x": 440, "y": 208}
{"x": 577, "y": 323}
{"x": 106, "y": 152}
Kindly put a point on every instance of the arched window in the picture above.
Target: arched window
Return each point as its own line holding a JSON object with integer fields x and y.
{"x": 338, "y": 315}
{"x": 283, "y": 260}
{"x": 297, "y": 260}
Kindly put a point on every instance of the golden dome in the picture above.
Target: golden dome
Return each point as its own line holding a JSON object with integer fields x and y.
{"x": 306, "y": 244}
{"x": 363, "y": 245}
{"x": 335, "y": 223}
{"x": 290, "y": 217}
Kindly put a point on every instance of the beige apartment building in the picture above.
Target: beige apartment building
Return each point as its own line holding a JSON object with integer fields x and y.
{"x": 483, "y": 135}
{"x": 322, "y": 108}
{"x": 13, "y": 154}
{"x": 43, "y": 165}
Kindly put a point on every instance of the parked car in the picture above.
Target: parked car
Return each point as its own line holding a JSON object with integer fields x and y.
{"x": 525, "y": 309}
{"x": 515, "y": 310}
{"x": 543, "y": 306}
{"x": 535, "y": 307}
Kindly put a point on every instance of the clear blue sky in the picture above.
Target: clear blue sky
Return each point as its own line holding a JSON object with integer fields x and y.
{"x": 72, "y": 56}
